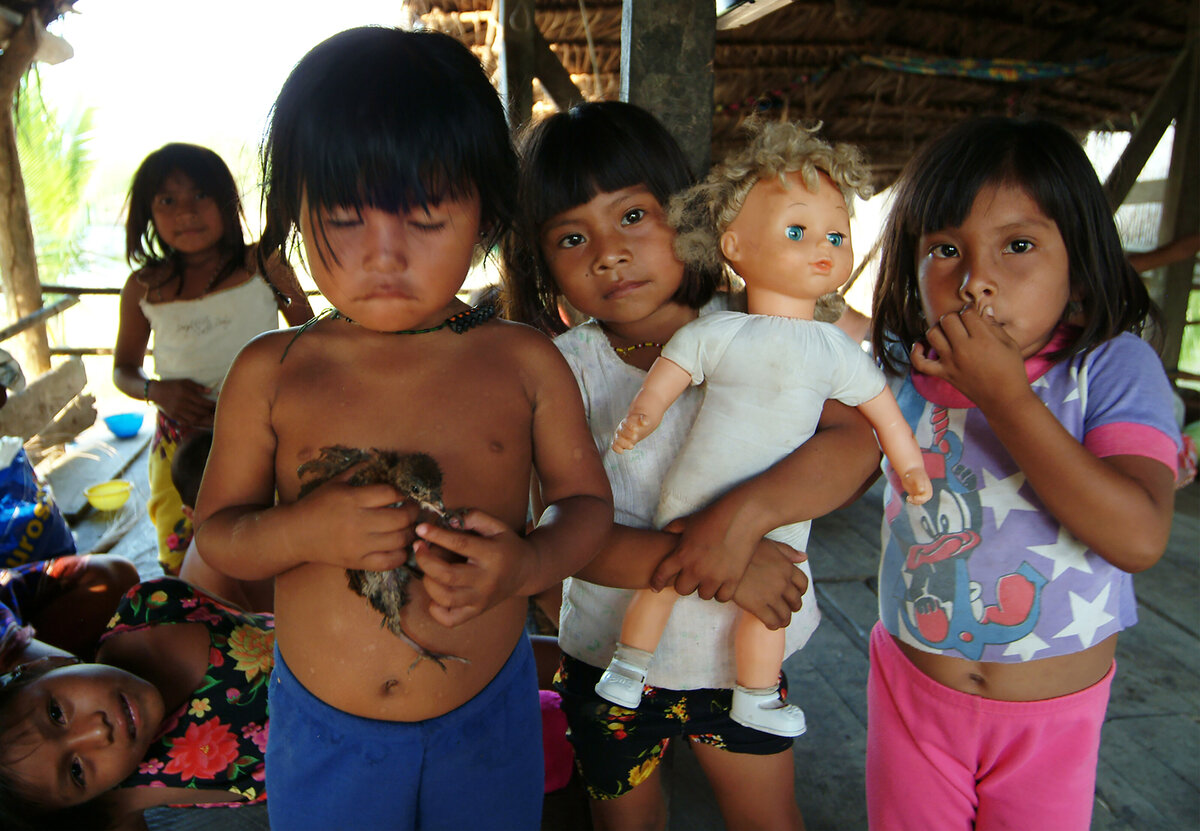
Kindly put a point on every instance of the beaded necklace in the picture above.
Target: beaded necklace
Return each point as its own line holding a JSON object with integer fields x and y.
{"x": 458, "y": 324}
{"x": 625, "y": 350}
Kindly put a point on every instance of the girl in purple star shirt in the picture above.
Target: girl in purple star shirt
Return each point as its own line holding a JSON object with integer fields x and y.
{"x": 1009, "y": 317}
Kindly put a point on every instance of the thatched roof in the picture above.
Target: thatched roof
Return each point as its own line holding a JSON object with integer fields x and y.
{"x": 886, "y": 75}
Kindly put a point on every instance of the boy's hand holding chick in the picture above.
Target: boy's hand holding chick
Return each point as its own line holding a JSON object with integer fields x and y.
{"x": 364, "y": 527}
{"x": 496, "y": 563}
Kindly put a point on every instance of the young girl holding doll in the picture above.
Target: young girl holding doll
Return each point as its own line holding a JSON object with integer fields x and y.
{"x": 1009, "y": 315}
{"x": 594, "y": 186}
{"x": 200, "y": 290}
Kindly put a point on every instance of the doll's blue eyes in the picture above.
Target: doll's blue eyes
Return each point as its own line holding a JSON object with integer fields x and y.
{"x": 796, "y": 233}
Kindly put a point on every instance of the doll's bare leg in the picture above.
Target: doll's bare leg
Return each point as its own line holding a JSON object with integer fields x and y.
{"x": 756, "y": 700}
{"x": 645, "y": 620}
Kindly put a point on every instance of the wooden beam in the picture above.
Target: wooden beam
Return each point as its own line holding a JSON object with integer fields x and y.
{"x": 1159, "y": 113}
{"x": 36, "y": 317}
{"x": 517, "y": 59}
{"x": 30, "y": 410}
{"x": 72, "y": 420}
{"x": 553, "y": 75}
{"x": 1181, "y": 213}
{"x": 666, "y": 68}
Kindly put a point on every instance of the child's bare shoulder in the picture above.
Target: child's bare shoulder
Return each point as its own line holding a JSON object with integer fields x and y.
{"x": 262, "y": 360}
{"x": 539, "y": 363}
{"x": 271, "y": 346}
{"x": 524, "y": 342}
{"x": 138, "y": 283}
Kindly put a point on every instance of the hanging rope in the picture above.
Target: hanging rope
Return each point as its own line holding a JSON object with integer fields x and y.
{"x": 591, "y": 47}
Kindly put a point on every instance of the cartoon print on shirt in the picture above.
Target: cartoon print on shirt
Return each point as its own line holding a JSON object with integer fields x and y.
{"x": 939, "y": 603}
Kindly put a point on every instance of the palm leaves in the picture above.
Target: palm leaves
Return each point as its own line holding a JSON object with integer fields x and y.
{"x": 56, "y": 166}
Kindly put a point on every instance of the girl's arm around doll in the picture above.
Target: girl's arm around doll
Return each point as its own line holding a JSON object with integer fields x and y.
{"x": 771, "y": 588}
{"x": 499, "y": 562}
{"x": 1119, "y": 506}
{"x": 709, "y": 550}
{"x": 823, "y": 474}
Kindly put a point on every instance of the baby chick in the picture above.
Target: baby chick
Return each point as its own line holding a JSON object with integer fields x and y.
{"x": 419, "y": 478}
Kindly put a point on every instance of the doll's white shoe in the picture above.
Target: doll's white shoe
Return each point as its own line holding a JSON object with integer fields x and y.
{"x": 764, "y": 710}
{"x": 622, "y": 681}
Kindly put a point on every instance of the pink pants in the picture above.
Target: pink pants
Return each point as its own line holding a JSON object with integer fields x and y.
{"x": 941, "y": 759}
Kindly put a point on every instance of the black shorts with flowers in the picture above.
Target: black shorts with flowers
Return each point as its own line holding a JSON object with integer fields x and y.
{"x": 617, "y": 748}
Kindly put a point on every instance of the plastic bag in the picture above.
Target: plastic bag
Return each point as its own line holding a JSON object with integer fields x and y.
{"x": 31, "y": 525}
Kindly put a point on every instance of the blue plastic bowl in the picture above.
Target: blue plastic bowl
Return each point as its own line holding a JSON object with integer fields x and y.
{"x": 124, "y": 425}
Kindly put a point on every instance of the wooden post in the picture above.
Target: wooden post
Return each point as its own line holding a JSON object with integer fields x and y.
{"x": 1152, "y": 123}
{"x": 18, "y": 257}
{"x": 553, "y": 75}
{"x": 517, "y": 58}
{"x": 667, "y": 68}
{"x": 1181, "y": 212}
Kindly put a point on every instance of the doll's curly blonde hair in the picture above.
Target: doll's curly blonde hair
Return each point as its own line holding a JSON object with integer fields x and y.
{"x": 701, "y": 213}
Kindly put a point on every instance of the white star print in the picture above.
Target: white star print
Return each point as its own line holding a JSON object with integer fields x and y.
{"x": 1065, "y": 552}
{"x": 1077, "y": 383}
{"x": 1001, "y": 495}
{"x": 1027, "y": 647}
{"x": 1087, "y": 617}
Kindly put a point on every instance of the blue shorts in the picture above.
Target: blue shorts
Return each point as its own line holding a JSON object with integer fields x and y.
{"x": 477, "y": 767}
{"x": 617, "y": 749}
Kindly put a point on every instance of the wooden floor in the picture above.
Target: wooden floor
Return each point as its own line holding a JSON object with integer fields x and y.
{"x": 1149, "y": 773}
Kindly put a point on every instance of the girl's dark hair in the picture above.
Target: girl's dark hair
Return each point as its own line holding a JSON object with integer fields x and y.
{"x": 208, "y": 171}
{"x": 568, "y": 158}
{"x": 389, "y": 119}
{"x": 937, "y": 189}
{"x": 20, "y": 810}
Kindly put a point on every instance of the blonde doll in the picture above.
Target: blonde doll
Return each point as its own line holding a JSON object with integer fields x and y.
{"x": 778, "y": 214}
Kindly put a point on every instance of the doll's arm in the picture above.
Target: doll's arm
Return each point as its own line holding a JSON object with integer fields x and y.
{"x": 665, "y": 382}
{"x": 899, "y": 445}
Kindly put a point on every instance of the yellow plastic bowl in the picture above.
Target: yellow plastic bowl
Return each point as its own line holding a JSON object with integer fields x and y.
{"x": 108, "y": 496}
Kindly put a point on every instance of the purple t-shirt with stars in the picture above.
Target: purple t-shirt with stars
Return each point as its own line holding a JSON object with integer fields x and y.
{"x": 983, "y": 571}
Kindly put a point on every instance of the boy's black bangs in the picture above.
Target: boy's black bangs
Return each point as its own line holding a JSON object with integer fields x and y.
{"x": 371, "y": 163}
{"x": 390, "y": 119}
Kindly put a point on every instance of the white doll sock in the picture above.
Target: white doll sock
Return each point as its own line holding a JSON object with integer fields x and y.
{"x": 763, "y": 709}
{"x": 622, "y": 682}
